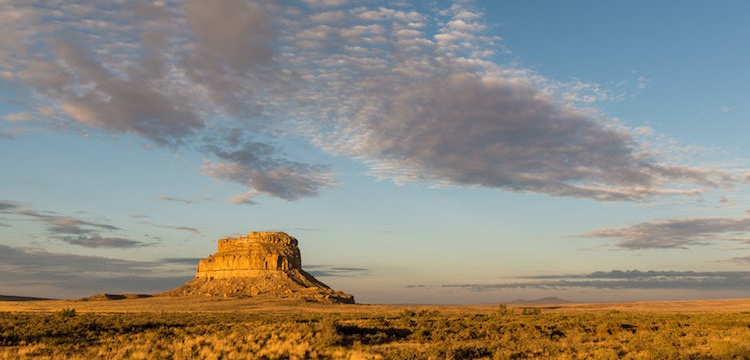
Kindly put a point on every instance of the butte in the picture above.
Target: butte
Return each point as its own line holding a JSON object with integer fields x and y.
{"x": 259, "y": 265}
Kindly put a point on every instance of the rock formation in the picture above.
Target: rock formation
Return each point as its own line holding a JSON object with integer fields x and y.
{"x": 261, "y": 264}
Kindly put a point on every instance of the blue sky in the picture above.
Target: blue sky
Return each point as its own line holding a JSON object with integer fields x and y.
{"x": 430, "y": 152}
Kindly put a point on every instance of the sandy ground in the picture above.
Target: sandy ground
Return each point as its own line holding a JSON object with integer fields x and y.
{"x": 212, "y": 304}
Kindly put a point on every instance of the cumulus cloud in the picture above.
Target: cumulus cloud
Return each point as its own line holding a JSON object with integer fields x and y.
{"x": 630, "y": 279}
{"x": 677, "y": 233}
{"x": 412, "y": 91}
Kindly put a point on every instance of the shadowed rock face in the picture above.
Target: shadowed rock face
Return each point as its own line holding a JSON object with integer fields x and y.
{"x": 260, "y": 264}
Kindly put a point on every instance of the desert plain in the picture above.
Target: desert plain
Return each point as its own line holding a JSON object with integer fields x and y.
{"x": 252, "y": 300}
{"x": 195, "y": 327}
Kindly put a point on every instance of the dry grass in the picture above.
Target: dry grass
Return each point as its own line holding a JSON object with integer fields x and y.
{"x": 210, "y": 328}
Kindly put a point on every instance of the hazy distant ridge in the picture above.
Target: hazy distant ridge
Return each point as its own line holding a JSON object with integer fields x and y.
{"x": 20, "y": 298}
{"x": 546, "y": 300}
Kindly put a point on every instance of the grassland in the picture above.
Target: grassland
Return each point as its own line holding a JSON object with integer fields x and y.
{"x": 189, "y": 328}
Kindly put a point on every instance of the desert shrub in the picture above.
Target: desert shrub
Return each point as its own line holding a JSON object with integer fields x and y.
{"x": 407, "y": 314}
{"x": 327, "y": 333}
{"x": 503, "y": 310}
{"x": 469, "y": 352}
{"x": 531, "y": 311}
{"x": 393, "y": 335}
{"x": 65, "y": 313}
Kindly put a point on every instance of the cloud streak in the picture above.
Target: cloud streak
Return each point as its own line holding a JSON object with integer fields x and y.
{"x": 332, "y": 271}
{"x": 66, "y": 275}
{"x": 631, "y": 279}
{"x": 71, "y": 230}
{"x": 678, "y": 233}
{"x": 177, "y": 199}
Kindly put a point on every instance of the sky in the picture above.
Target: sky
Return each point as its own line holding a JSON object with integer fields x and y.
{"x": 421, "y": 152}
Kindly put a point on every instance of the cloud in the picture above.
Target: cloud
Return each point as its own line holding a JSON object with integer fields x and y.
{"x": 631, "y": 279}
{"x": 185, "y": 228}
{"x": 58, "y": 275}
{"x": 411, "y": 91}
{"x": 677, "y": 233}
{"x": 500, "y": 133}
{"x": 176, "y": 199}
{"x": 181, "y": 261}
{"x": 95, "y": 96}
{"x": 740, "y": 260}
{"x": 74, "y": 231}
{"x": 233, "y": 53}
{"x": 324, "y": 3}
{"x": 172, "y": 227}
{"x": 255, "y": 165}
{"x": 331, "y": 271}
{"x": 97, "y": 241}
{"x": 163, "y": 72}
{"x": 435, "y": 109}
{"x": 8, "y": 205}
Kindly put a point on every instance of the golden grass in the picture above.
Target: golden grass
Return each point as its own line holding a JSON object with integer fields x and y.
{"x": 211, "y": 328}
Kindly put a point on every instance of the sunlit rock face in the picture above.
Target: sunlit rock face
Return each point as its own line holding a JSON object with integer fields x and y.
{"x": 260, "y": 264}
{"x": 250, "y": 256}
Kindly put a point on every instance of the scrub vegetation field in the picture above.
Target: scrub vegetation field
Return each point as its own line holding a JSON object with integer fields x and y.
{"x": 160, "y": 328}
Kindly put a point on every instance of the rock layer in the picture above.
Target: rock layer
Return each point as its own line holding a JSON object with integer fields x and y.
{"x": 250, "y": 256}
{"x": 261, "y": 264}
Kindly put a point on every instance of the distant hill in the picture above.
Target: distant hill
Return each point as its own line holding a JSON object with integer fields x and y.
{"x": 20, "y": 298}
{"x": 552, "y": 300}
{"x": 104, "y": 297}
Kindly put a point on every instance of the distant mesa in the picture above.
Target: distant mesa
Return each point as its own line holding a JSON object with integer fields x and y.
{"x": 261, "y": 264}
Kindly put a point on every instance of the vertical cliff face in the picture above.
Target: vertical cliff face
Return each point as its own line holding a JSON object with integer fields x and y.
{"x": 260, "y": 264}
{"x": 251, "y": 255}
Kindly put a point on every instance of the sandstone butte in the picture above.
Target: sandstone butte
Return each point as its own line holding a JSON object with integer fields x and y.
{"x": 262, "y": 265}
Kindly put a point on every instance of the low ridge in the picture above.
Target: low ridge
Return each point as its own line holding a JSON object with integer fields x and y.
{"x": 260, "y": 264}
